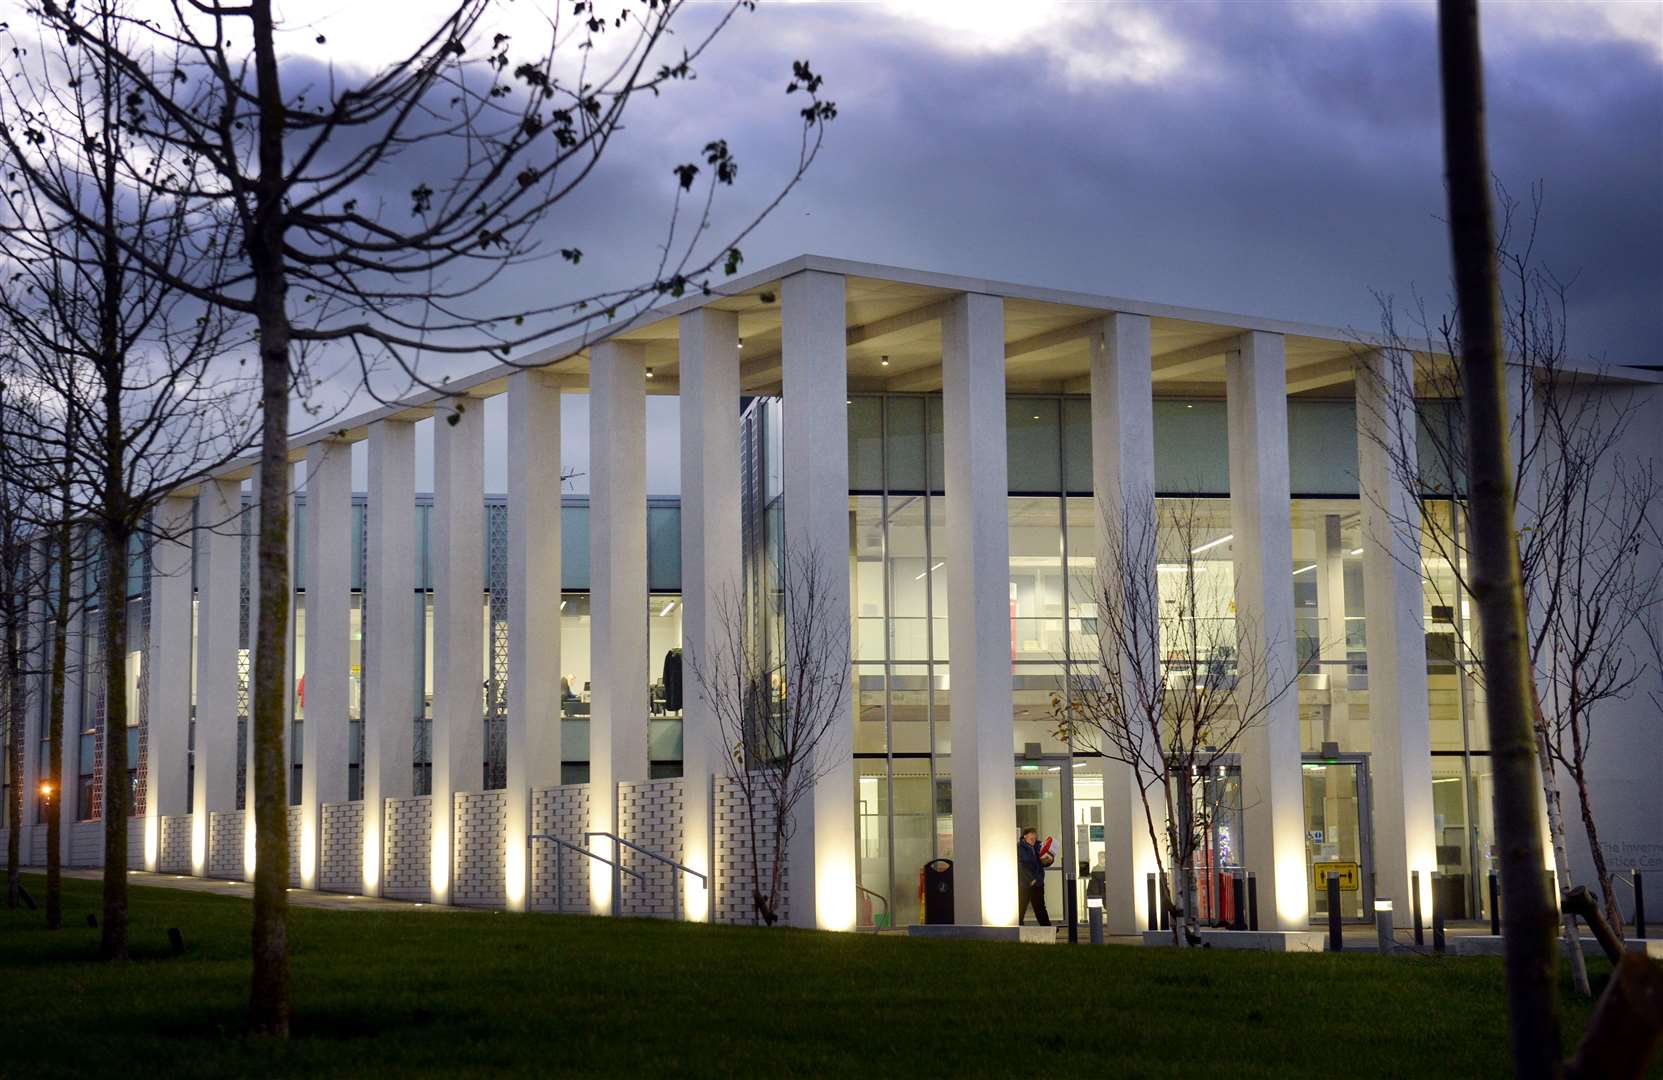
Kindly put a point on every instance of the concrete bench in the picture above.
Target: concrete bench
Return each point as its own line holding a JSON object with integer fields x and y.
{"x": 1263, "y": 940}
{"x": 1028, "y": 935}
{"x": 1490, "y": 945}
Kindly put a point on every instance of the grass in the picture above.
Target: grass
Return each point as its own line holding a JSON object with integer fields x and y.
{"x": 429, "y": 992}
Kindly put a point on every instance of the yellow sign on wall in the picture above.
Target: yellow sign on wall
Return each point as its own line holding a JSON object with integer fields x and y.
{"x": 1351, "y": 875}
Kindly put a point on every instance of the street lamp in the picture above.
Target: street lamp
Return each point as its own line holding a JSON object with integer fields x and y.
{"x": 1383, "y": 924}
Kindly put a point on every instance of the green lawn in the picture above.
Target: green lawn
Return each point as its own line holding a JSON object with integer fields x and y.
{"x": 397, "y": 993}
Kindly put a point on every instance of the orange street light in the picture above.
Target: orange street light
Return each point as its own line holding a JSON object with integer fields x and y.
{"x": 46, "y": 789}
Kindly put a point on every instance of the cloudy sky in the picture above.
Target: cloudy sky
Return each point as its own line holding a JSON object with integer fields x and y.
{"x": 1277, "y": 158}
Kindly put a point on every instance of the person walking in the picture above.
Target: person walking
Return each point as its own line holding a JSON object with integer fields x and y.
{"x": 1030, "y": 871}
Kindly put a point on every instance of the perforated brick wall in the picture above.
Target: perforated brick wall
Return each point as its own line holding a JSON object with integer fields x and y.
{"x": 479, "y": 873}
{"x": 735, "y": 881}
{"x": 173, "y": 844}
{"x": 563, "y": 812}
{"x": 650, "y": 814}
{"x": 225, "y": 844}
{"x": 294, "y": 847}
{"x": 343, "y": 848}
{"x": 407, "y": 849}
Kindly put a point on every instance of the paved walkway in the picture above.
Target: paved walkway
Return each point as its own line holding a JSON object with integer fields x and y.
{"x": 245, "y": 890}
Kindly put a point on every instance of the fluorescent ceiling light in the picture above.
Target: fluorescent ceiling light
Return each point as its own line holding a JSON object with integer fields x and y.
{"x": 1356, "y": 551}
{"x": 1225, "y": 539}
{"x": 937, "y": 566}
{"x": 1302, "y": 569}
{"x": 562, "y": 605}
{"x": 671, "y": 606}
{"x": 1178, "y": 569}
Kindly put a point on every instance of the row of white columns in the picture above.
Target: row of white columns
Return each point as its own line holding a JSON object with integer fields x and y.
{"x": 815, "y": 466}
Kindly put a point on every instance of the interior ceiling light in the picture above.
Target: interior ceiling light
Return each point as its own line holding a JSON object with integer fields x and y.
{"x": 885, "y": 361}
{"x": 1356, "y": 551}
{"x": 649, "y": 373}
{"x": 1302, "y": 569}
{"x": 937, "y": 566}
{"x": 671, "y": 606}
{"x": 1209, "y": 545}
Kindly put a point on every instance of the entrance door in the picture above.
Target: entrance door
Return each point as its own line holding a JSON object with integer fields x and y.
{"x": 1044, "y": 802}
{"x": 1337, "y": 834}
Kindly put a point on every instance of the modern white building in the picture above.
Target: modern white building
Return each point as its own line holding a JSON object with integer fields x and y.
{"x": 471, "y": 669}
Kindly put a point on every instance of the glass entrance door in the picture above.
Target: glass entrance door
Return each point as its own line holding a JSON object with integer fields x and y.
{"x": 1043, "y": 803}
{"x": 1337, "y": 834}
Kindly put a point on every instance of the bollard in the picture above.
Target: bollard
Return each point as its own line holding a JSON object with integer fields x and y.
{"x": 1639, "y": 905}
{"x": 1165, "y": 923}
{"x": 1414, "y": 907}
{"x": 1238, "y": 893}
{"x": 1336, "y": 941}
{"x": 1070, "y": 906}
{"x": 1252, "y": 901}
{"x": 1094, "y": 915}
{"x": 1154, "y": 908}
{"x": 1437, "y": 927}
{"x": 1495, "y": 905}
{"x": 1383, "y": 924}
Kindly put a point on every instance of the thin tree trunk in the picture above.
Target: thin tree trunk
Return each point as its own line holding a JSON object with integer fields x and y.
{"x": 1613, "y": 913}
{"x": 269, "y": 990}
{"x": 15, "y": 718}
{"x": 113, "y": 938}
{"x": 1532, "y": 1005}
{"x": 55, "y": 719}
{"x": 1561, "y": 858}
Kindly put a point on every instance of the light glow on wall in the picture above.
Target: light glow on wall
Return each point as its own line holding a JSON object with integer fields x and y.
{"x": 696, "y": 894}
{"x": 308, "y": 849}
{"x": 1293, "y": 902}
{"x": 515, "y": 879}
{"x": 152, "y": 827}
{"x": 439, "y": 862}
{"x": 600, "y": 876}
{"x": 999, "y": 889}
{"x": 199, "y": 844}
{"x": 834, "y": 893}
{"x": 372, "y": 862}
{"x": 249, "y": 845}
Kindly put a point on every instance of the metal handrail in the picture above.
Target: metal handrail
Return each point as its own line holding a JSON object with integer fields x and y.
{"x": 675, "y": 891}
{"x": 559, "y": 875}
{"x": 876, "y": 896}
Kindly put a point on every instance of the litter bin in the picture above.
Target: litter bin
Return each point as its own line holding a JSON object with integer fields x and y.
{"x": 938, "y": 891}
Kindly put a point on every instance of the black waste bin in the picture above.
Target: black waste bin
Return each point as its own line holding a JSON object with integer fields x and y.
{"x": 938, "y": 891}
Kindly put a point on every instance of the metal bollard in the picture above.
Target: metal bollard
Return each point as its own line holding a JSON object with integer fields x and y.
{"x": 1383, "y": 924}
{"x": 1336, "y": 941}
{"x": 1414, "y": 907}
{"x": 1495, "y": 905}
{"x": 1094, "y": 915}
{"x": 1252, "y": 901}
{"x": 1238, "y": 893}
{"x": 1639, "y": 905}
{"x": 1154, "y": 908}
{"x": 1437, "y": 927}
{"x": 1070, "y": 906}
{"x": 1165, "y": 922}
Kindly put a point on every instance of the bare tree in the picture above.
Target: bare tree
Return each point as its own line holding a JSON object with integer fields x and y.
{"x": 1497, "y": 582}
{"x": 18, "y": 581}
{"x": 135, "y": 395}
{"x": 1174, "y": 685}
{"x": 779, "y": 717}
{"x": 1582, "y": 504}
{"x": 299, "y": 172}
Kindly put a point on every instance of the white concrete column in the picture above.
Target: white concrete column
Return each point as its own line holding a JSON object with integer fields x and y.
{"x": 1260, "y": 515}
{"x": 390, "y": 635}
{"x": 219, "y": 604}
{"x": 710, "y": 560}
{"x": 1123, "y": 482}
{"x": 249, "y": 841}
{"x": 618, "y": 587}
{"x": 533, "y": 611}
{"x": 1400, "y": 731}
{"x": 169, "y": 676}
{"x": 977, "y": 530}
{"x": 326, "y": 743}
{"x": 458, "y": 544}
{"x": 814, "y": 359}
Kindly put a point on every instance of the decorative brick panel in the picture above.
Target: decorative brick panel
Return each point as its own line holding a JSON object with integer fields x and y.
{"x": 342, "y": 869}
{"x": 294, "y": 847}
{"x": 563, "y": 812}
{"x": 407, "y": 851}
{"x": 735, "y": 881}
{"x": 650, "y": 814}
{"x": 225, "y": 844}
{"x": 479, "y": 871}
{"x": 173, "y": 844}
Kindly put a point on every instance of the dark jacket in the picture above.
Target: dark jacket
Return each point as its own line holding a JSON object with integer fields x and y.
{"x": 1027, "y": 857}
